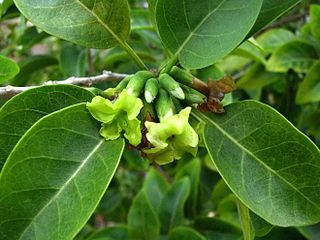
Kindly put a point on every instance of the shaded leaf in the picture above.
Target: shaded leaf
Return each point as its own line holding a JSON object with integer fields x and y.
{"x": 258, "y": 77}
{"x": 270, "y": 10}
{"x": 56, "y": 176}
{"x": 8, "y": 69}
{"x": 94, "y": 24}
{"x": 270, "y": 165}
{"x": 245, "y": 220}
{"x": 315, "y": 21}
{"x": 143, "y": 223}
{"x": 273, "y": 39}
{"x": 199, "y": 33}
{"x": 155, "y": 186}
{"x": 296, "y": 55}
{"x": 311, "y": 232}
{"x": 117, "y": 232}
{"x": 185, "y": 233}
{"x": 22, "y": 111}
{"x": 171, "y": 209}
{"x": 309, "y": 89}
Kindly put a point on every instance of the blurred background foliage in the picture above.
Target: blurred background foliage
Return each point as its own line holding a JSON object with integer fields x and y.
{"x": 188, "y": 199}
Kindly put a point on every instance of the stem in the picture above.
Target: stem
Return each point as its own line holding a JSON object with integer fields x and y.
{"x": 170, "y": 64}
{"x": 134, "y": 56}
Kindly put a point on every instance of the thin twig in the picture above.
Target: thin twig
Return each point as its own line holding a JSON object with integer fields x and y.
{"x": 10, "y": 91}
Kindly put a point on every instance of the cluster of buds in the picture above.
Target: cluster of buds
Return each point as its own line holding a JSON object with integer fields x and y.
{"x": 162, "y": 102}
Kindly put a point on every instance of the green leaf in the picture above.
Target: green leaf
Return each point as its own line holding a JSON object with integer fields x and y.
{"x": 261, "y": 227}
{"x": 250, "y": 50}
{"x": 30, "y": 65}
{"x": 245, "y": 220}
{"x": 22, "y": 111}
{"x": 311, "y": 232}
{"x": 270, "y": 165}
{"x": 273, "y": 39}
{"x": 282, "y": 233}
{"x": 270, "y": 10}
{"x": 94, "y": 24}
{"x": 171, "y": 210}
{"x": 155, "y": 186}
{"x": 143, "y": 223}
{"x": 296, "y": 55}
{"x": 199, "y": 33}
{"x": 8, "y": 69}
{"x": 309, "y": 89}
{"x": 216, "y": 225}
{"x": 185, "y": 233}
{"x": 191, "y": 170}
{"x": 315, "y": 21}
{"x": 30, "y": 37}
{"x": 55, "y": 176}
{"x": 73, "y": 60}
{"x": 4, "y": 6}
{"x": 258, "y": 77}
{"x": 117, "y": 232}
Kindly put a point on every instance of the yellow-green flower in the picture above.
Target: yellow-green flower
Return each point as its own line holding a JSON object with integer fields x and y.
{"x": 117, "y": 116}
{"x": 171, "y": 138}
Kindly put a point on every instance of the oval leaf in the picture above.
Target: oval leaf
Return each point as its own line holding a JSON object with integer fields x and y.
{"x": 199, "y": 33}
{"x": 55, "y": 176}
{"x": 296, "y": 55}
{"x": 185, "y": 233}
{"x": 272, "y": 167}
{"x": 94, "y": 24}
{"x": 8, "y": 69}
{"x": 270, "y": 10}
{"x": 143, "y": 222}
{"x": 22, "y": 111}
{"x": 309, "y": 89}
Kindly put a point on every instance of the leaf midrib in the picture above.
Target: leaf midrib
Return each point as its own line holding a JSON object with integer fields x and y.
{"x": 208, "y": 120}
{"x": 196, "y": 28}
{"x": 115, "y": 36}
{"x": 64, "y": 185}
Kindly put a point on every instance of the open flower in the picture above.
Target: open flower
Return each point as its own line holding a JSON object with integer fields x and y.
{"x": 117, "y": 116}
{"x": 171, "y": 138}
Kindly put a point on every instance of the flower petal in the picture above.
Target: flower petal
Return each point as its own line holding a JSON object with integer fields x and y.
{"x": 130, "y": 104}
{"x": 102, "y": 109}
{"x": 110, "y": 131}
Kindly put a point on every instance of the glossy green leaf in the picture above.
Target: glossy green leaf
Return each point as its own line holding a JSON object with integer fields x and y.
{"x": 94, "y": 24}
{"x": 309, "y": 89}
{"x": 296, "y": 55}
{"x": 270, "y": 165}
{"x": 22, "y": 111}
{"x": 273, "y": 39}
{"x": 185, "y": 233}
{"x": 8, "y": 69}
{"x": 171, "y": 209}
{"x": 30, "y": 65}
{"x": 55, "y": 176}
{"x": 199, "y": 33}
{"x": 258, "y": 77}
{"x": 315, "y": 21}
{"x": 143, "y": 222}
{"x": 155, "y": 186}
{"x": 270, "y": 10}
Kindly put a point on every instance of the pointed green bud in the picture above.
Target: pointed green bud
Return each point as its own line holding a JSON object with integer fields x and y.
{"x": 192, "y": 96}
{"x": 164, "y": 105}
{"x": 171, "y": 138}
{"x": 182, "y": 76}
{"x": 169, "y": 84}
{"x": 137, "y": 82}
{"x": 123, "y": 84}
{"x": 151, "y": 90}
